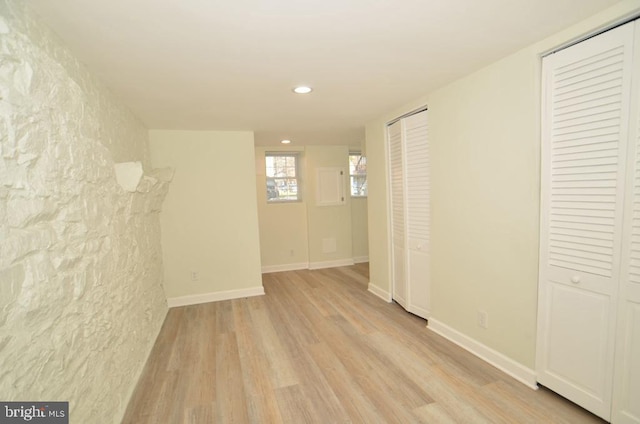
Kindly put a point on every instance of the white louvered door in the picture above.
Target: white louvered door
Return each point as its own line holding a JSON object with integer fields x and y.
{"x": 626, "y": 393}
{"x": 585, "y": 131}
{"x": 398, "y": 239}
{"x": 416, "y": 149}
{"x": 409, "y": 184}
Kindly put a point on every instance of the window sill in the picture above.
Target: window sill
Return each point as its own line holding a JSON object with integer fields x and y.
{"x": 280, "y": 202}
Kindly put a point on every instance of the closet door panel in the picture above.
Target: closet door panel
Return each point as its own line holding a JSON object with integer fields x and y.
{"x": 398, "y": 251}
{"x": 416, "y": 142}
{"x": 626, "y": 394}
{"x": 585, "y": 123}
{"x": 626, "y": 407}
{"x": 581, "y": 328}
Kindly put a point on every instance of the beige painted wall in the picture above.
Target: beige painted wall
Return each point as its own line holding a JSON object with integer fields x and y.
{"x": 484, "y": 135}
{"x": 300, "y": 227}
{"x": 485, "y": 173}
{"x": 360, "y": 218}
{"x": 359, "y": 228}
{"x": 377, "y": 201}
{"x": 327, "y": 222}
{"x": 81, "y": 298}
{"x": 209, "y": 221}
{"x": 283, "y": 226}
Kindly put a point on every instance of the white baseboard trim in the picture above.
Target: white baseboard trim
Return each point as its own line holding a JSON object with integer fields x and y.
{"x": 196, "y": 299}
{"x": 516, "y": 370}
{"x": 382, "y": 294}
{"x": 313, "y": 265}
{"x": 285, "y": 267}
{"x": 421, "y": 312}
{"x": 330, "y": 264}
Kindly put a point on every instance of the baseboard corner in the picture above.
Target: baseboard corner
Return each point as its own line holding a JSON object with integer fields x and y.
{"x": 377, "y": 291}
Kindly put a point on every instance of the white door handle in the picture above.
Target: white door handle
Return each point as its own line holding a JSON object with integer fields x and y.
{"x": 575, "y": 279}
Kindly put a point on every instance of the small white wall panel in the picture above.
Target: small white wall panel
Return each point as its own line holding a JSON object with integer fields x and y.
{"x": 329, "y": 245}
{"x": 330, "y": 186}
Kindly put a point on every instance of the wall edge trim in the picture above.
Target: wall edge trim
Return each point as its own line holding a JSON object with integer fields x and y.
{"x": 523, "y": 374}
{"x": 360, "y": 259}
{"x": 377, "y": 291}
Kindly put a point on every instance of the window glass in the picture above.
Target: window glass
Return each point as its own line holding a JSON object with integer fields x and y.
{"x": 282, "y": 177}
{"x": 358, "y": 175}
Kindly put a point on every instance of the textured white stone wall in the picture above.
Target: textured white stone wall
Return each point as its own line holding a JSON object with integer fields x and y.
{"x": 81, "y": 298}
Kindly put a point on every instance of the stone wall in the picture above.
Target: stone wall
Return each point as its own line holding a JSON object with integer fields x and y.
{"x": 81, "y": 297}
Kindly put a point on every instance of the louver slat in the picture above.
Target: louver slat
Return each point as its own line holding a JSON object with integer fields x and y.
{"x": 634, "y": 251}
{"x": 417, "y": 159}
{"x": 397, "y": 211}
{"x": 585, "y": 121}
{"x": 397, "y": 184}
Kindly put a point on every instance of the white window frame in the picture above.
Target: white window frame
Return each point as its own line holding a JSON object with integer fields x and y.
{"x": 352, "y": 176}
{"x": 276, "y": 181}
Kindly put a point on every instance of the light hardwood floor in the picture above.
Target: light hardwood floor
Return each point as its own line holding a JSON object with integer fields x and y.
{"x": 318, "y": 348}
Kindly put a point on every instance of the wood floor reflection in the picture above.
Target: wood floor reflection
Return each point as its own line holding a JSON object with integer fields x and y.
{"x": 319, "y": 348}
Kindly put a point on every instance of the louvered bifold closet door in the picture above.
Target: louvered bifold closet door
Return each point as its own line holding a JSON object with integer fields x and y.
{"x": 626, "y": 393}
{"x": 398, "y": 254}
{"x": 585, "y": 128}
{"x": 416, "y": 149}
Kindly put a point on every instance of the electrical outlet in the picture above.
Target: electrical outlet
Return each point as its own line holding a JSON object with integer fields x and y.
{"x": 195, "y": 276}
{"x": 483, "y": 319}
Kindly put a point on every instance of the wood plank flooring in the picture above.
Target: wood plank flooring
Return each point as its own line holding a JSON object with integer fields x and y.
{"x": 318, "y": 348}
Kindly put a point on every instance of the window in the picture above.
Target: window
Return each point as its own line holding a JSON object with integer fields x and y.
{"x": 282, "y": 177}
{"x": 358, "y": 174}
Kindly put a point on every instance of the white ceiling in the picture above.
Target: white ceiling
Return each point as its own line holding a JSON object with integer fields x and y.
{"x": 231, "y": 65}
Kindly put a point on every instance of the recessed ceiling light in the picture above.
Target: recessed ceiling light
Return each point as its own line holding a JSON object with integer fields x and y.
{"x": 285, "y": 141}
{"x": 302, "y": 89}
